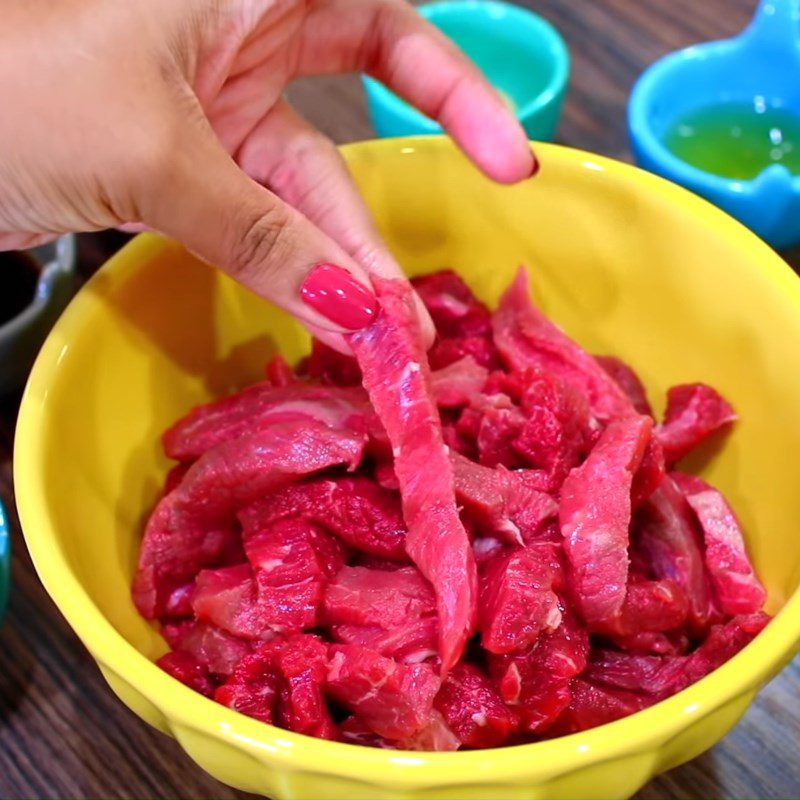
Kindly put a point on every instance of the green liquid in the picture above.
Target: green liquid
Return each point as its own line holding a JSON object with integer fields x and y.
{"x": 737, "y": 140}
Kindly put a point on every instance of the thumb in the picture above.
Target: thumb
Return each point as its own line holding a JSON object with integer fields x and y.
{"x": 205, "y": 201}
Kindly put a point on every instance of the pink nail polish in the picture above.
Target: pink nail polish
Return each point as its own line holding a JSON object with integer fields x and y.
{"x": 334, "y": 293}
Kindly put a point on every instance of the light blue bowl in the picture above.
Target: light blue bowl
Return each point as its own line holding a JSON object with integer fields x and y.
{"x": 521, "y": 53}
{"x": 761, "y": 64}
{"x": 5, "y": 560}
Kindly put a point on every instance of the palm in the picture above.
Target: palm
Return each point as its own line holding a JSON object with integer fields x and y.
{"x": 178, "y": 79}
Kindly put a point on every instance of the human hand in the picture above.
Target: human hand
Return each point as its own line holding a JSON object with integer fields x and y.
{"x": 171, "y": 116}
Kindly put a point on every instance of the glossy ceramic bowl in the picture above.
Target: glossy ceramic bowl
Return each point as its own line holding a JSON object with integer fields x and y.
{"x": 627, "y": 262}
{"x": 22, "y": 336}
{"x": 520, "y": 53}
{"x": 5, "y": 560}
{"x": 758, "y": 67}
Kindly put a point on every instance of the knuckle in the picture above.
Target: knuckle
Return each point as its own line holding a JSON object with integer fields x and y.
{"x": 310, "y": 152}
{"x": 369, "y": 254}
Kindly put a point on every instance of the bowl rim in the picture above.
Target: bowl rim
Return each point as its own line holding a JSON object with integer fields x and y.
{"x": 62, "y": 264}
{"x": 559, "y": 60}
{"x": 183, "y": 708}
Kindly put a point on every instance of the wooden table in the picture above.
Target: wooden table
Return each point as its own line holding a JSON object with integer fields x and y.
{"x": 62, "y": 732}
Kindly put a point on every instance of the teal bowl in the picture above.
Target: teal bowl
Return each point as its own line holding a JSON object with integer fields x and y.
{"x": 521, "y": 54}
{"x": 5, "y": 560}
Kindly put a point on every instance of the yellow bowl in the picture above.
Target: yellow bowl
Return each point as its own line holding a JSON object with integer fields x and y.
{"x": 628, "y": 263}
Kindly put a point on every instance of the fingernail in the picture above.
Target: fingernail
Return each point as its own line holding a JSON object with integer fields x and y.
{"x": 334, "y": 293}
{"x": 535, "y": 169}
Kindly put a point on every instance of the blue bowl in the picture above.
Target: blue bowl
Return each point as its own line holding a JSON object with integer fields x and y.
{"x": 5, "y": 560}
{"x": 760, "y": 66}
{"x": 521, "y": 54}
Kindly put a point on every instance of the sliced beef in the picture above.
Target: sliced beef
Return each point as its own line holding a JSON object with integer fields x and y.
{"x": 595, "y": 516}
{"x": 517, "y": 598}
{"x": 396, "y": 375}
{"x": 665, "y": 532}
{"x": 473, "y": 709}
{"x": 192, "y": 526}
{"x": 526, "y": 339}
{"x": 360, "y": 513}
{"x": 394, "y": 700}
{"x": 694, "y": 413}
{"x": 736, "y": 586}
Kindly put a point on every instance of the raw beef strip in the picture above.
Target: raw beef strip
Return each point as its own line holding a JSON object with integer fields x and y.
{"x": 435, "y": 736}
{"x": 393, "y": 699}
{"x": 207, "y": 426}
{"x": 292, "y": 560}
{"x": 411, "y": 642}
{"x": 650, "y": 473}
{"x": 591, "y": 705}
{"x": 355, "y": 731}
{"x": 536, "y": 683}
{"x": 188, "y": 670}
{"x": 214, "y": 648}
{"x": 486, "y": 548}
{"x": 191, "y": 526}
{"x": 279, "y": 373}
{"x": 376, "y": 562}
{"x": 653, "y": 643}
{"x": 227, "y": 598}
{"x": 463, "y": 323}
{"x": 179, "y": 602}
{"x": 493, "y": 423}
{"x": 363, "y": 515}
{"x": 662, "y": 676}
{"x": 627, "y": 380}
{"x": 527, "y": 339}
{"x": 175, "y": 476}
{"x": 397, "y": 378}
{"x": 724, "y": 641}
{"x": 473, "y": 710}
{"x": 480, "y": 348}
{"x": 331, "y": 367}
{"x": 501, "y": 500}
{"x": 452, "y": 386}
{"x": 457, "y": 384}
{"x": 559, "y": 429}
{"x": 371, "y": 597}
{"x": 252, "y": 689}
{"x": 650, "y": 606}
{"x": 694, "y": 412}
{"x": 286, "y": 597}
{"x": 595, "y": 515}
{"x": 649, "y": 675}
{"x": 385, "y": 476}
{"x": 453, "y": 307}
{"x": 664, "y": 532}
{"x": 301, "y": 662}
{"x": 736, "y": 586}
{"x": 517, "y": 601}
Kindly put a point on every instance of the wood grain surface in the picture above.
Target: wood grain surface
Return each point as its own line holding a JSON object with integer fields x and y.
{"x": 62, "y": 732}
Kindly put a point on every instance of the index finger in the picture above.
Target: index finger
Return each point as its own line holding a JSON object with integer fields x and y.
{"x": 390, "y": 41}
